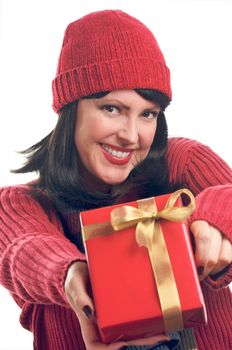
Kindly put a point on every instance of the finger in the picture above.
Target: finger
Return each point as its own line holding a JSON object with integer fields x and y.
{"x": 81, "y": 299}
{"x": 89, "y": 330}
{"x": 76, "y": 287}
{"x": 225, "y": 257}
{"x": 92, "y": 339}
{"x": 202, "y": 236}
{"x": 213, "y": 253}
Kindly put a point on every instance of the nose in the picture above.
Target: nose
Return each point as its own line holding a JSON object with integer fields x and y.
{"x": 129, "y": 131}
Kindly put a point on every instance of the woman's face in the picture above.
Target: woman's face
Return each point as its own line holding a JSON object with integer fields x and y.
{"x": 113, "y": 134}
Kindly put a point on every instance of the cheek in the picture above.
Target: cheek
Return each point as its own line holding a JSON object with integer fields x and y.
{"x": 148, "y": 137}
{"x": 85, "y": 134}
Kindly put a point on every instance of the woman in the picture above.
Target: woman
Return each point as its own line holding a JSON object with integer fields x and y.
{"x": 110, "y": 145}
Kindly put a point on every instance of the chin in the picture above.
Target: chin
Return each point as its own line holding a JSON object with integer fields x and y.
{"x": 114, "y": 181}
{"x": 113, "y": 177}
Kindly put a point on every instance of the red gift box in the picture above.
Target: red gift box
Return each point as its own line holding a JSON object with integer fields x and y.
{"x": 127, "y": 292}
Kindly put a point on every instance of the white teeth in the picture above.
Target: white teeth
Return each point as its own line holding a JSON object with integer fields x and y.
{"x": 118, "y": 154}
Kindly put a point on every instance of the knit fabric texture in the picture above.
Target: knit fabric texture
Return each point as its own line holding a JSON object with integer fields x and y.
{"x": 108, "y": 50}
{"x": 35, "y": 254}
{"x": 183, "y": 340}
{"x": 173, "y": 344}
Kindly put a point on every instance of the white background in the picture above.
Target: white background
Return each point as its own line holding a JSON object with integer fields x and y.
{"x": 196, "y": 38}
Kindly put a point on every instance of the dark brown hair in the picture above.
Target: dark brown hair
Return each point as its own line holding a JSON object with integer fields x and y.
{"x": 56, "y": 160}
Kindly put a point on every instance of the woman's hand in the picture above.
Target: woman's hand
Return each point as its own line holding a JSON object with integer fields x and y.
{"x": 77, "y": 289}
{"x": 213, "y": 251}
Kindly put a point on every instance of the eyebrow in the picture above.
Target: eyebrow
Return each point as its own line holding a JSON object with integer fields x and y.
{"x": 126, "y": 107}
{"x": 113, "y": 101}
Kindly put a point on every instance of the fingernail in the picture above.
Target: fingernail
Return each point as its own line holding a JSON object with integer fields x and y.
{"x": 87, "y": 311}
{"x": 200, "y": 270}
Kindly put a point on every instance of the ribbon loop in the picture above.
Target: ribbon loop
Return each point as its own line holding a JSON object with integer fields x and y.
{"x": 127, "y": 216}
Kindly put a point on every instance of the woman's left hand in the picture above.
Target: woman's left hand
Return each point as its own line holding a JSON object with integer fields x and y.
{"x": 213, "y": 250}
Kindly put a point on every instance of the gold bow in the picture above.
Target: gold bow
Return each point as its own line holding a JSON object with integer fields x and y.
{"x": 146, "y": 215}
{"x": 149, "y": 234}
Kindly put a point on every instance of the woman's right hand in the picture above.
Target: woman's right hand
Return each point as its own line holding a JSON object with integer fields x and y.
{"x": 78, "y": 291}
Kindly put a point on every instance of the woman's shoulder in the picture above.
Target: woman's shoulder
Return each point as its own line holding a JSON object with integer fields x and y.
{"x": 183, "y": 143}
{"x": 25, "y": 200}
{"x": 184, "y": 150}
{"x": 22, "y": 194}
{"x": 195, "y": 164}
{"x": 18, "y": 189}
{"x": 12, "y": 190}
{"x": 180, "y": 150}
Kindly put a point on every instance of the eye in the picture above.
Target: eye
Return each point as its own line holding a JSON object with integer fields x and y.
{"x": 111, "y": 109}
{"x": 150, "y": 114}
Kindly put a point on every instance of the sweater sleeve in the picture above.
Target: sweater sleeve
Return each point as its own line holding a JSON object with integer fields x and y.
{"x": 198, "y": 168}
{"x": 214, "y": 205}
{"x": 195, "y": 165}
{"x": 34, "y": 253}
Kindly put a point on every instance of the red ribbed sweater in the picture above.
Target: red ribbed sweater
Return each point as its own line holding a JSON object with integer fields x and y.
{"x": 35, "y": 254}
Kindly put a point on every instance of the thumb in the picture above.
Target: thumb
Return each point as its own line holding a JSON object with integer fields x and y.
{"x": 77, "y": 289}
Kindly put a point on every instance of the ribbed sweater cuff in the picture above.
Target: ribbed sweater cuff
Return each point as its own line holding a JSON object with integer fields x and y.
{"x": 38, "y": 268}
{"x": 224, "y": 280}
{"x": 214, "y": 205}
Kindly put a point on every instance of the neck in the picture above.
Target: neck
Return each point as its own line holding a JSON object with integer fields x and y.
{"x": 93, "y": 184}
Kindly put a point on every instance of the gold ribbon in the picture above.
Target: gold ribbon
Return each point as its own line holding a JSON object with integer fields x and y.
{"x": 149, "y": 234}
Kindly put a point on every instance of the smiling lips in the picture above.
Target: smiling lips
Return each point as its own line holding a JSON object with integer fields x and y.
{"x": 116, "y": 155}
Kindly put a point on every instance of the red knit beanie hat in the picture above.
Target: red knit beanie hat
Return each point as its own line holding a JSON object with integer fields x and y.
{"x": 104, "y": 51}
